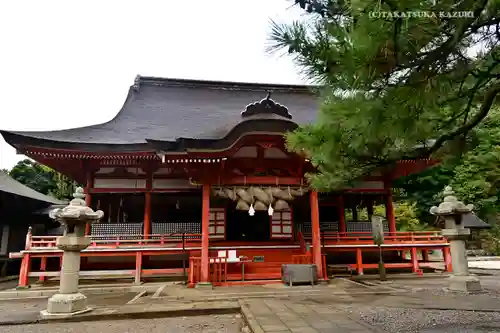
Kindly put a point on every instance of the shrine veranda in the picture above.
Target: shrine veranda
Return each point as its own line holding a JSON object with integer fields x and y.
{"x": 167, "y": 171}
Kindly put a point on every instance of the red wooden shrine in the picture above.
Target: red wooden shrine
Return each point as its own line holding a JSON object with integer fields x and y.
{"x": 161, "y": 171}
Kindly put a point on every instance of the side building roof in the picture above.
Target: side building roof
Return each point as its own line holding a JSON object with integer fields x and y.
{"x": 470, "y": 220}
{"x": 165, "y": 110}
{"x": 12, "y": 186}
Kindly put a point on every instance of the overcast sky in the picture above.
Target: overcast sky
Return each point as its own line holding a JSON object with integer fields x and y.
{"x": 67, "y": 64}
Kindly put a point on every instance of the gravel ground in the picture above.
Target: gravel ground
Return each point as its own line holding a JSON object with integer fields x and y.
{"x": 201, "y": 324}
{"x": 398, "y": 320}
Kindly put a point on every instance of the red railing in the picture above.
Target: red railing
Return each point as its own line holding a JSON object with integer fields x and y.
{"x": 302, "y": 242}
{"x": 194, "y": 275}
{"x": 389, "y": 237}
{"x": 37, "y": 242}
{"x": 302, "y": 259}
{"x": 217, "y": 273}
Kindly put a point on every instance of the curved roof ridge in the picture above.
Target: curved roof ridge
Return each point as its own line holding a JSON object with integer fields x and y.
{"x": 34, "y": 133}
{"x": 245, "y": 86}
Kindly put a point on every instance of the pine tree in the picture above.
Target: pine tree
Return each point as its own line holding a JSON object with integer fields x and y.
{"x": 402, "y": 79}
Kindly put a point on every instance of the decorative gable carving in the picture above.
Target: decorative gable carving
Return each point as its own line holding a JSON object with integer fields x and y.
{"x": 266, "y": 106}
{"x": 247, "y": 151}
{"x": 274, "y": 152}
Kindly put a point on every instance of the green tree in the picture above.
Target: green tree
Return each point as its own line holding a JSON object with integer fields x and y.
{"x": 391, "y": 83}
{"x": 477, "y": 177}
{"x": 42, "y": 179}
{"x": 474, "y": 175}
{"x": 405, "y": 214}
{"x": 423, "y": 189}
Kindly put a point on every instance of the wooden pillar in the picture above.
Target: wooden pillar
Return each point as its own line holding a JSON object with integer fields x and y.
{"x": 341, "y": 208}
{"x": 425, "y": 255}
{"x": 389, "y": 208}
{"x": 43, "y": 268}
{"x": 25, "y": 271}
{"x": 138, "y": 268}
{"x": 147, "y": 215}
{"x": 447, "y": 259}
{"x": 205, "y": 217}
{"x": 414, "y": 260}
{"x": 369, "y": 209}
{"x": 389, "y": 213}
{"x": 88, "y": 198}
{"x": 354, "y": 210}
{"x": 147, "y": 204}
{"x": 359, "y": 261}
{"x": 316, "y": 233}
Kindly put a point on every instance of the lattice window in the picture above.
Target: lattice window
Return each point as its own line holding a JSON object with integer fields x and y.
{"x": 323, "y": 226}
{"x": 168, "y": 228}
{"x": 217, "y": 223}
{"x": 363, "y": 226}
{"x": 281, "y": 225}
{"x": 124, "y": 230}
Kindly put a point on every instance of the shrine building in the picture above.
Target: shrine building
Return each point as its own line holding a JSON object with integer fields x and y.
{"x": 194, "y": 175}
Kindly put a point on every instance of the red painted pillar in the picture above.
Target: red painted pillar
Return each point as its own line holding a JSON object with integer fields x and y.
{"x": 316, "y": 234}
{"x": 414, "y": 260}
{"x": 389, "y": 213}
{"x": 147, "y": 214}
{"x": 25, "y": 271}
{"x": 359, "y": 261}
{"x": 205, "y": 217}
{"x": 341, "y": 208}
{"x": 43, "y": 268}
{"x": 425, "y": 255}
{"x": 369, "y": 209}
{"x": 138, "y": 268}
{"x": 447, "y": 259}
{"x": 147, "y": 206}
{"x": 88, "y": 199}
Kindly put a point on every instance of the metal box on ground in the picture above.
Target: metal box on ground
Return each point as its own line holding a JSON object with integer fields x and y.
{"x": 299, "y": 274}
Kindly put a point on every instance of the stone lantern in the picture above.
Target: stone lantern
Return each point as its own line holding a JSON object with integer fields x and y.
{"x": 452, "y": 211}
{"x": 68, "y": 301}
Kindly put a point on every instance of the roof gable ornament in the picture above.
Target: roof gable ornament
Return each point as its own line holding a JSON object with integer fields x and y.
{"x": 266, "y": 106}
{"x": 137, "y": 83}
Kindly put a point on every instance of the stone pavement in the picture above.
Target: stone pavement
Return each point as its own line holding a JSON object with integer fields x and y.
{"x": 200, "y": 324}
{"x": 299, "y": 316}
{"x": 400, "y": 306}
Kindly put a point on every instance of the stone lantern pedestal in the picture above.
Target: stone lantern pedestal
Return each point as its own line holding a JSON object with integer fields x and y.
{"x": 452, "y": 211}
{"x": 69, "y": 301}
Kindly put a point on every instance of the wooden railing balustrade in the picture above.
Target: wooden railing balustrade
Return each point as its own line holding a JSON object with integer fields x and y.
{"x": 389, "y": 237}
{"x": 45, "y": 242}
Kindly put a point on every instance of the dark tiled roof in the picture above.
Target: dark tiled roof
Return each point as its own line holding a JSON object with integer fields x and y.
{"x": 167, "y": 109}
{"x": 471, "y": 221}
{"x": 10, "y": 185}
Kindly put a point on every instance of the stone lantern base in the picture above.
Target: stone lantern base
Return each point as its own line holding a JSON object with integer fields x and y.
{"x": 65, "y": 305}
{"x": 467, "y": 283}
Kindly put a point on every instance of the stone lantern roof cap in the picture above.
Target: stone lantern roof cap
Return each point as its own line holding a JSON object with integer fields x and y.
{"x": 76, "y": 210}
{"x": 451, "y": 205}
